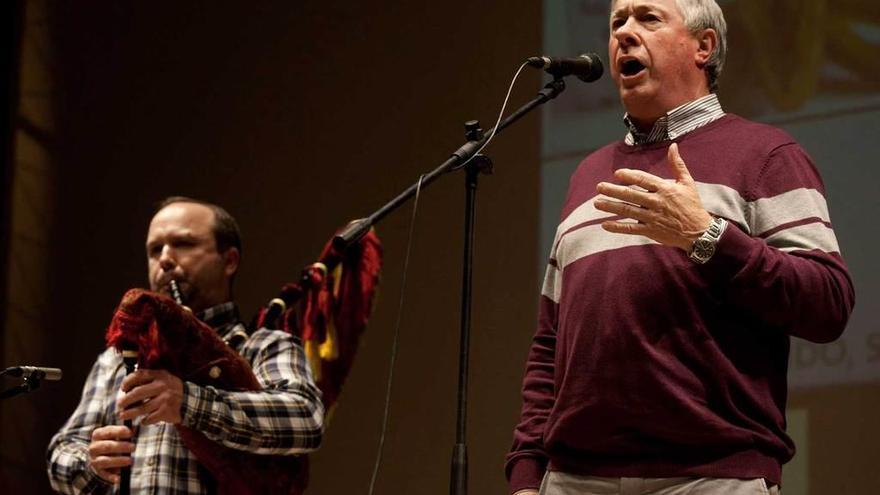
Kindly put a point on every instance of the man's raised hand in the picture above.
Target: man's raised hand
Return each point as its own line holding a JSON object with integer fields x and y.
{"x": 669, "y": 212}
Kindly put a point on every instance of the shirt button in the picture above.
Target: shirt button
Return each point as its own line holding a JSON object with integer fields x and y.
{"x": 151, "y": 461}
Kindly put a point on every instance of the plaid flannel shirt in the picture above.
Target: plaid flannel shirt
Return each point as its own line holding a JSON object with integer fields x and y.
{"x": 286, "y": 417}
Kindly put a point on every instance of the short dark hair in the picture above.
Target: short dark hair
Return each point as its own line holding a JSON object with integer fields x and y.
{"x": 226, "y": 232}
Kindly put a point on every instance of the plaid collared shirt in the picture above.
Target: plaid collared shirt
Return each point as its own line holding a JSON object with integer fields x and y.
{"x": 286, "y": 417}
{"x": 677, "y": 122}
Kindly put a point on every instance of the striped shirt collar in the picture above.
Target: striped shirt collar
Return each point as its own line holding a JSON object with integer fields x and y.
{"x": 677, "y": 122}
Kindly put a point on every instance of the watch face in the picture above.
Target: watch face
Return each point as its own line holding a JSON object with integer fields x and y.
{"x": 704, "y": 249}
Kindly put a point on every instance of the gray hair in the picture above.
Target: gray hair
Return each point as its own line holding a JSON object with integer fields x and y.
{"x": 706, "y": 14}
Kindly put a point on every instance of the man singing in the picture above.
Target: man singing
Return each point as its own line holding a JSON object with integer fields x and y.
{"x": 687, "y": 256}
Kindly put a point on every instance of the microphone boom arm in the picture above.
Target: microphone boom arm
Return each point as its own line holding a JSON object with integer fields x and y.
{"x": 356, "y": 229}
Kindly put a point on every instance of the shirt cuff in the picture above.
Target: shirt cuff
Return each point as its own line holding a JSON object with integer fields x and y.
{"x": 94, "y": 483}
{"x": 526, "y": 473}
{"x": 195, "y": 406}
{"x": 732, "y": 254}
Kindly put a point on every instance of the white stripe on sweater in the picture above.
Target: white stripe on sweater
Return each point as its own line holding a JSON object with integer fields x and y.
{"x": 805, "y": 237}
{"x": 757, "y": 216}
{"x": 788, "y": 207}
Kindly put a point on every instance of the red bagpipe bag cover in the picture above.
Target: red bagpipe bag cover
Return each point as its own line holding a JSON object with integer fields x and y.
{"x": 169, "y": 337}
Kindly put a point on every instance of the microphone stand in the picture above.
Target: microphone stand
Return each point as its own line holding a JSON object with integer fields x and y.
{"x": 473, "y": 168}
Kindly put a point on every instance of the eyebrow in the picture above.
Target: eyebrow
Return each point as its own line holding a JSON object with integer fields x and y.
{"x": 174, "y": 236}
{"x": 641, "y": 7}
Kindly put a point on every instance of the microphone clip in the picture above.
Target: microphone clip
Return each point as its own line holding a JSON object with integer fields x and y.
{"x": 33, "y": 378}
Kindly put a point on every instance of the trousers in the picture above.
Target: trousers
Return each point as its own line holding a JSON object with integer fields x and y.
{"x": 558, "y": 483}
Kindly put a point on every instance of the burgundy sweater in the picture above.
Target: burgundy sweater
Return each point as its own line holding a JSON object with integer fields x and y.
{"x": 646, "y": 364}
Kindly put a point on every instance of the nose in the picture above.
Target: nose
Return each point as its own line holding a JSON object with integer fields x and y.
{"x": 625, "y": 33}
{"x": 167, "y": 262}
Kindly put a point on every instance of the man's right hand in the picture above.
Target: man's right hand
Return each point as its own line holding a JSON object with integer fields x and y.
{"x": 110, "y": 450}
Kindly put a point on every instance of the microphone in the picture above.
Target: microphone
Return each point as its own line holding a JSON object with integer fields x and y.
{"x": 50, "y": 374}
{"x": 587, "y": 67}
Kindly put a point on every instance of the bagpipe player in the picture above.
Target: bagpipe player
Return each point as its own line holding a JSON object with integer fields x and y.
{"x": 198, "y": 245}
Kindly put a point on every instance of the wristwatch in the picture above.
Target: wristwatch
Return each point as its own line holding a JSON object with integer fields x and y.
{"x": 704, "y": 246}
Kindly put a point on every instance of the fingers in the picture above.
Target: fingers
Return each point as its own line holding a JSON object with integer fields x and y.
{"x": 110, "y": 450}
{"x": 676, "y": 163}
{"x": 112, "y": 432}
{"x": 110, "y": 440}
{"x": 144, "y": 408}
{"x": 164, "y": 407}
{"x": 627, "y": 228}
{"x": 625, "y": 210}
{"x": 159, "y": 408}
{"x": 627, "y": 194}
{"x": 653, "y": 183}
{"x": 649, "y": 182}
{"x": 156, "y": 416}
{"x": 667, "y": 211}
{"x": 141, "y": 377}
{"x": 141, "y": 393}
{"x": 154, "y": 394}
{"x": 113, "y": 460}
{"x": 110, "y": 447}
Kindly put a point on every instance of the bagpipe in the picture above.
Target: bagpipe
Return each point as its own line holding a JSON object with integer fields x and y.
{"x": 327, "y": 309}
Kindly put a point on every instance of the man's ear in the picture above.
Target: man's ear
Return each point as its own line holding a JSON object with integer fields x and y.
{"x": 707, "y": 40}
{"x": 231, "y": 258}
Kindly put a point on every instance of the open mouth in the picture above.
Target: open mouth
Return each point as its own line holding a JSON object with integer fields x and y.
{"x": 631, "y": 67}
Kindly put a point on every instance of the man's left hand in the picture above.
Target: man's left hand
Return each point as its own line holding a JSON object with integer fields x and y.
{"x": 669, "y": 212}
{"x": 154, "y": 394}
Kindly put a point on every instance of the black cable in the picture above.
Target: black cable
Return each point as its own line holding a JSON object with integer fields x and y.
{"x": 396, "y": 338}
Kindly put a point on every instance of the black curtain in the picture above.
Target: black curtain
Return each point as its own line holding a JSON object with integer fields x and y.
{"x": 10, "y": 51}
